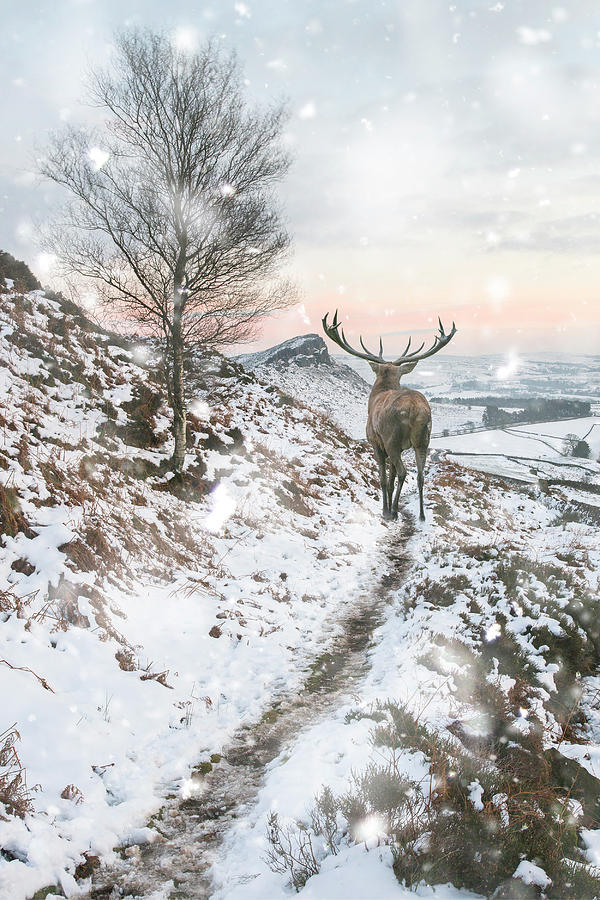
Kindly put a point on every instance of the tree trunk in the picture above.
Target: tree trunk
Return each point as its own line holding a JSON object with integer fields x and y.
{"x": 177, "y": 384}
{"x": 178, "y": 399}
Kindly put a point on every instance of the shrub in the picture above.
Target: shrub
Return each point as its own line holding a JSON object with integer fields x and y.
{"x": 490, "y": 800}
{"x": 577, "y": 447}
{"x": 291, "y": 851}
{"x": 142, "y": 409}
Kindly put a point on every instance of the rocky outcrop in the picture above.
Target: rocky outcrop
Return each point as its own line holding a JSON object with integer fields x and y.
{"x": 305, "y": 350}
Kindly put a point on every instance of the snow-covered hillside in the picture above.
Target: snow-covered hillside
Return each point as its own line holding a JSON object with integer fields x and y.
{"x": 143, "y": 618}
{"x": 303, "y": 368}
{"x": 475, "y": 730}
{"x": 185, "y": 661}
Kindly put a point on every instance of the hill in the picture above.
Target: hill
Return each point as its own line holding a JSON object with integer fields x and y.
{"x": 303, "y": 367}
{"x": 143, "y": 617}
{"x": 239, "y": 679}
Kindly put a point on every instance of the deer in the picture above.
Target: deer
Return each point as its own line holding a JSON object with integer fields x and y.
{"x": 398, "y": 417}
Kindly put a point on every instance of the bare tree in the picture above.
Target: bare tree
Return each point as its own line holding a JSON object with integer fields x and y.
{"x": 172, "y": 210}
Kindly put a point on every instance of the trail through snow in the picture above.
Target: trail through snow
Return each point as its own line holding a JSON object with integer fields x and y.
{"x": 191, "y": 830}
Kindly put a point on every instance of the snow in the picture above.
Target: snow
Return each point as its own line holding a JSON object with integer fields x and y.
{"x": 328, "y": 752}
{"x": 512, "y": 443}
{"x": 195, "y": 616}
{"x": 143, "y": 736}
{"x": 529, "y": 873}
{"x": 357, "y": 875}
{"x": 526, "y": 451}
{"x": 476, "y": 795}
{"x": 592, "y": 843}
{"x": 363, "y": 878}
{"x": 303, "y": 368}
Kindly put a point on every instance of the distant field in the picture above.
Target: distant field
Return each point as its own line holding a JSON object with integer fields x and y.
{"x": 528, "y": 451}
{"x": 449, "y": 416}
{"x": 543, "y": 440}
{"x": 587, "y": 428}
{"x": 543, "y": 375}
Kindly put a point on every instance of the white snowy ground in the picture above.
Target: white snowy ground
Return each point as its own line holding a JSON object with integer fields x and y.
{"x": 526, "y": 450}
{"x": 121, "y": 582}
{"x": 485, "y": 515}
{"x": 111, "y": 585}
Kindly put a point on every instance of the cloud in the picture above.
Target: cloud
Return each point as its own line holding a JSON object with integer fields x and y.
{"x": 533, "y": 36}
{"x": 447, "y": 121}
{"x": 572, "y": 234}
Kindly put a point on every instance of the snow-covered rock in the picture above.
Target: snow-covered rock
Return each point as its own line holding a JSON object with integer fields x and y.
{"x": 303, "y": 368}
{"x": 304, "y": 350}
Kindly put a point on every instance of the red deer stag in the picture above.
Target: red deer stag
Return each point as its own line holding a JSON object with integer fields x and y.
{"x": 399, "y": 418}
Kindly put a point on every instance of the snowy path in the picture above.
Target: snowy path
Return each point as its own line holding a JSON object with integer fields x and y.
{"x": 191, "y": 830}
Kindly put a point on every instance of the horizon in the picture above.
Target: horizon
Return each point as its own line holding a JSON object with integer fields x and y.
{"x": 257, "y": 347}
{"x": 341, "y": 355}
{"x": 456, "y": 169}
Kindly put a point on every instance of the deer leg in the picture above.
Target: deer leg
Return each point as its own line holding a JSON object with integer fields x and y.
{"x": 401, "y": 473}
{"x": 390, "y": 484}
{"x": 381, "y": 459}
{"x": 420, "y": 456}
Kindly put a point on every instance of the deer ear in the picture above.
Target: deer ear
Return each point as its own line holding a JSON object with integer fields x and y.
{"x": 406, "y": 367}
{"x": 374, "y": 366}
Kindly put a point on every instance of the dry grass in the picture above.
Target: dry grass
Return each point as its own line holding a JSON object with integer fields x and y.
{"x": 11, "y": 603}
{"x": 66, "y": 485}
{"x": 443, "y": 593}
{"x": 81, "y": 558}
{"x": 15, "y": 797}
{"x": 12, "y": 520}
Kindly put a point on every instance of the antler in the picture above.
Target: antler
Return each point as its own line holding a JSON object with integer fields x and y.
{"x": 439, "y": 341}
{"x": 336, "y": 333}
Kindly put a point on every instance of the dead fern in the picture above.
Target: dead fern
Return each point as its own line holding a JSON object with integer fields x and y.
{"x": 15, "y": 796}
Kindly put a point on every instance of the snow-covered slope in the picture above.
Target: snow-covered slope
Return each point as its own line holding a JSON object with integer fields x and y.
{"x": 145, "y": 619}
{"x": 483, "y": 675}
{"x": 303, "y": 368}
{"x": 142, "y": 617}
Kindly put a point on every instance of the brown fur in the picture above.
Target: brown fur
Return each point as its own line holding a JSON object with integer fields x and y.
{"x": 399, "y": 419}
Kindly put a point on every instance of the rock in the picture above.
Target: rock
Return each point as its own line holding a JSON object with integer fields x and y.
{"x": 86, "y": 868}
{"x": 305, "y": 350}
{"x": 22, "y": 565}
{"x": 515, "y": 889}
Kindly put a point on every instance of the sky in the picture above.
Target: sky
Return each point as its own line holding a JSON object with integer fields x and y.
{"x": 447, "y": 155}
